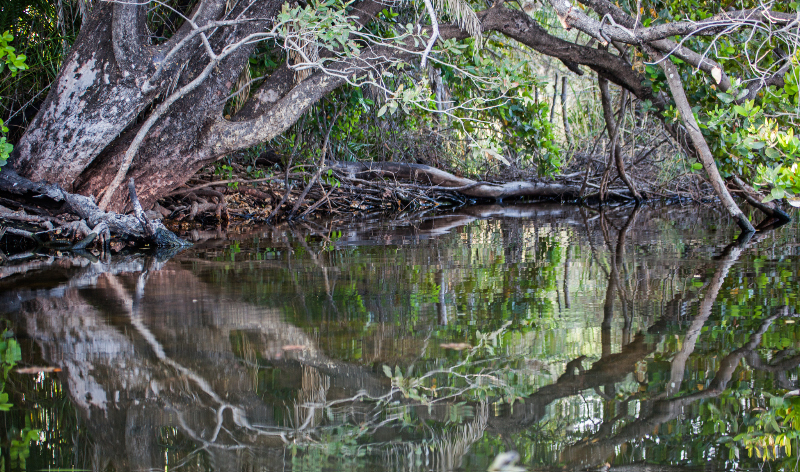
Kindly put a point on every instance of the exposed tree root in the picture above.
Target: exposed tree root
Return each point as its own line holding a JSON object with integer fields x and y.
{"x": 52, "y": 218}
{"x": 440, "y": 180}
{"x": 355, "y": 189}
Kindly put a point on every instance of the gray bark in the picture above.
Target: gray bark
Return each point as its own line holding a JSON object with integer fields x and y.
{"x": 432, "y": 177}
{"x": 98, "y": 92}
{"x": 612, "y": 127}
{"x": 564, "y": 117}
{"x": 699, "y": 142}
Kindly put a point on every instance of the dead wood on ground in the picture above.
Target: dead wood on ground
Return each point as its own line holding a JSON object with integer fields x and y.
{"x": 50, "y": 218}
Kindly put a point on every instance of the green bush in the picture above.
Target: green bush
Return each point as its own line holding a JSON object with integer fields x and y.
{"x": 14, "y": 63}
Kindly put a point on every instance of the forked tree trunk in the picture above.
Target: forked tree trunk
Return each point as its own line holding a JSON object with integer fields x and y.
{"x": 86, "y": 123}
{"x": 100, "y": 90}
{"x": 92, "y": 101}
{"x": 114, "y": 75}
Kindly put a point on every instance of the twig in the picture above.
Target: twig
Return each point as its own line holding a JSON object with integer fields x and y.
{"x": 230, "y": 181}
{"x": 434, "y": 33}
{"x": 280, "y": 204}
{"x": 321, "y": 165}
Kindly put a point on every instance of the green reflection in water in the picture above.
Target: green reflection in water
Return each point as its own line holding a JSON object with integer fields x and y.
{"x": 577, "y": 339}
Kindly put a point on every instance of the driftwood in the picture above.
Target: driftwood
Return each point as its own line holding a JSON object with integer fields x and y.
{"x": 354, "y": 190}
{"x": 51, "y": 204}
{"x": 438, "y": 179}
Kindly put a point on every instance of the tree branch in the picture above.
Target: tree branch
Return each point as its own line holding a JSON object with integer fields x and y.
{"x": 280, "y": 82}
{"x": 519, "y": 26}
{"x": 699, "y": 142}
{"x": 613, "y": 128}
{"x": 624, "y": 31}
{"x": 130, "y": 36}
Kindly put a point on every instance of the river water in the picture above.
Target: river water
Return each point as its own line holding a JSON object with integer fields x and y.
{"x": 631, "y": 339}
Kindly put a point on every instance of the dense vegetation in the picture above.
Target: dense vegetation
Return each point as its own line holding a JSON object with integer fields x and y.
{"x": 709, "y": 86}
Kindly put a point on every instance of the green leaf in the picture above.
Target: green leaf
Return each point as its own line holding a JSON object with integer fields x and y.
{"x": 388, "y": 371}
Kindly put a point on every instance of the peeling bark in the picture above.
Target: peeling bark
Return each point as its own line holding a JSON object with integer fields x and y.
{"x": 98, "y": 92}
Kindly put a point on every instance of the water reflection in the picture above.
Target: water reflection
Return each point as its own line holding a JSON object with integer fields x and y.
{"x": 580, "y": 339}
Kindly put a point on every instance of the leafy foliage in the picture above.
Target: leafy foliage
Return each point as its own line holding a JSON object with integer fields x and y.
{"x": 750, "y": 137}
{"x": 10, "y": 354}
{"x": 14, "y": 62}
{"x": 469, "y": 110}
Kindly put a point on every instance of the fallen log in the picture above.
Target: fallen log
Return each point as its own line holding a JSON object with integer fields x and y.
{"x": 438, "y": 179}
{"x": 755, "y": 199}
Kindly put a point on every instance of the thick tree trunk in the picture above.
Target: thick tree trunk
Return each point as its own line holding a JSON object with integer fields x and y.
{"x": 90, "y": 103}
{"x": 79, "y": 138}
{"x": 102, "y": 87}
{"x": 174, "y": 149}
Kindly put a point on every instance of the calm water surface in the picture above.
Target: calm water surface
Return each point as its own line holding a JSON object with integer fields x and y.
{"x": 625, "y": 340}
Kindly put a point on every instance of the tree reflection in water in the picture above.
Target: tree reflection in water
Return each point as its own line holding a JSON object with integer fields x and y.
{"x": 199, "y": 362}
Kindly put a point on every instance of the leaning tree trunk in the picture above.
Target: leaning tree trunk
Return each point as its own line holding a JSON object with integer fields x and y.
{"x": 114, "y": 75}
{"x": 108, "y": 85}
{"x": 699, "y": 142}
{"x": 101, "y": 88}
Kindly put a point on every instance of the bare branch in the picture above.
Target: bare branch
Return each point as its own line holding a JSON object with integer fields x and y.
{"x": 519, "y": 26}
{"x": 434, "y": 32}
{"x": 699, "y": 142}
{"x": 626, "y": 30}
